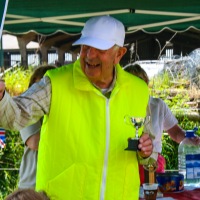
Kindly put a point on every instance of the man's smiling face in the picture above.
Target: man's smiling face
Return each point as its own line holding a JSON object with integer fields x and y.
{"x": 98, "y": 65}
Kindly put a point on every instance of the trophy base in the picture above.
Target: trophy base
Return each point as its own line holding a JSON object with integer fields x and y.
{"x": 132, "y": 144}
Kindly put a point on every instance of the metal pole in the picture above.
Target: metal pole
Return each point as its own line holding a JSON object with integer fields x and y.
{"x": 1, "y": 54}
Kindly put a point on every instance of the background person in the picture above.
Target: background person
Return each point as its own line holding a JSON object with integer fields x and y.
{"x": 161, "y": 119}
{"x": 31, "y": 136}
{"x": 83, "y": 136}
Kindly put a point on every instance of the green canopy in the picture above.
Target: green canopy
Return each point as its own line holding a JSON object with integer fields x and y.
{"x": 50, "y": 16}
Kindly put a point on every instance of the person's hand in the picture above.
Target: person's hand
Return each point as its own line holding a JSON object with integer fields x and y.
{"x": 33, "y": 141}
{"x": 2, "y": 88}
{"x": 145, "y": 145}
{"x": 195, "y": 140}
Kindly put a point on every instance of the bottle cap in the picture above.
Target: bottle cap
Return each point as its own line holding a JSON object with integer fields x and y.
{"x": 190, "y": 133}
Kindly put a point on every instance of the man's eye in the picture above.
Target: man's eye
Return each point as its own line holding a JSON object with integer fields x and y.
{"x": 84, "y": 46}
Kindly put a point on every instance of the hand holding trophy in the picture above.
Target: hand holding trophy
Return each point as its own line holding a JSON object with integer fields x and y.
{"x": 152, "y": 164}
{"x": 136, "y": 122}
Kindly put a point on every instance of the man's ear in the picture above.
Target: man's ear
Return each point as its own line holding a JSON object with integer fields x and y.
{"x": 120, "y": 53}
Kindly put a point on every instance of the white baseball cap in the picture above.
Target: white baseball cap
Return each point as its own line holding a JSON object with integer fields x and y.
{"x": 102, "y": 32}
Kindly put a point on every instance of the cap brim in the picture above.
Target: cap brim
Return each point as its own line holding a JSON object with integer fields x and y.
{"x": 94, "y": 42}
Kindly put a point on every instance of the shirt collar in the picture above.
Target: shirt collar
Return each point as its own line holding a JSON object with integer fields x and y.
{"x": 110, "y": 88}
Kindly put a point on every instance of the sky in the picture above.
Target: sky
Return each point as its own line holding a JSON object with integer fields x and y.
{"x": 10, "y": 42}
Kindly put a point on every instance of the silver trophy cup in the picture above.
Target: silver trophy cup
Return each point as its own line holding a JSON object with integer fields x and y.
{"x": 136, "y": 122}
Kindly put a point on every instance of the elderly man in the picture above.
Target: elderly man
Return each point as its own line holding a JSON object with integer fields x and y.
{"x": 83, "y": 136}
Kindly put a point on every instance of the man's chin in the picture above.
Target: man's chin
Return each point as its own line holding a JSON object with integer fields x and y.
{"x": 92, "y": 74}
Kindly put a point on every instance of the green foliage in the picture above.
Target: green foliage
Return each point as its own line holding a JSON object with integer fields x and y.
{"x": 162, "y": 86}
{"x": 159, "y": 85}
{"x": 10, "y": 158}
{"x": 17, "y": 80}
{"x": 169, "y": 151}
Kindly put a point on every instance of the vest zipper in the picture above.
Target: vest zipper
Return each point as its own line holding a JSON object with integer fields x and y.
{"x": 105, "y": 166}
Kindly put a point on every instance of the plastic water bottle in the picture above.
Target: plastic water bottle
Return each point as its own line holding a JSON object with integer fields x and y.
{"x": 189, "y": 159}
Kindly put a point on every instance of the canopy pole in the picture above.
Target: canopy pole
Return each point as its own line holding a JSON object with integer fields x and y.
{"x": 1, "y": 55}
{"x": 3, "y": 17}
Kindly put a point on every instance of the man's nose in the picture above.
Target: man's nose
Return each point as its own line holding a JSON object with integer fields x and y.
{"x": 92, "y": 52}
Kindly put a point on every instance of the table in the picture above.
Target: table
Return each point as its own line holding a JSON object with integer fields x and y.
{"x": 187, "y": 194}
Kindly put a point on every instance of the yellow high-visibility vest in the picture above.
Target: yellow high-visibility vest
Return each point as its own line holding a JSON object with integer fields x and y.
{"x": 81, "y": 152}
